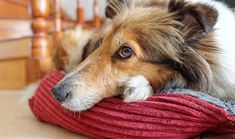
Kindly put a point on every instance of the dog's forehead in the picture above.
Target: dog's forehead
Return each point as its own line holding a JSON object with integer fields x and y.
{"x": 112, "y": 36}
{"x": 130, "y": 20}
{"x": 140, "y": 25}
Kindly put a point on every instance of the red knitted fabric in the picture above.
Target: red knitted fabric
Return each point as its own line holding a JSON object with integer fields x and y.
{"x": 161, "y": 116}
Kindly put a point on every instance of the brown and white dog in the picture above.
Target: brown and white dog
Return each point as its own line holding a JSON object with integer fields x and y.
{"x": 151, "y": 45}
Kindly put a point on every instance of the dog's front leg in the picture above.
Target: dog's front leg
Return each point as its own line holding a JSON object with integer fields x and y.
{"x": 137, "y": 88}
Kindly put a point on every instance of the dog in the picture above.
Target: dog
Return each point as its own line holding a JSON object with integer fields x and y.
{"x": 71, "y": 48}
{"x": 154, "y": 45}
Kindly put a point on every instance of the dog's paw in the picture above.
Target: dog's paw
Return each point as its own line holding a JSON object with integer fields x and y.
{"x": 137, "y": 88}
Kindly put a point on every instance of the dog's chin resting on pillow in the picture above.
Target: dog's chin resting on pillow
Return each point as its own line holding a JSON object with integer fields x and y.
{"x": 179, "y": 114}
{"x": 153, "y": 45}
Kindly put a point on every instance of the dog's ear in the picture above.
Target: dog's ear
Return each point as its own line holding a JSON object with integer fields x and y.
{"x": 197, "y": 18}
{"x": 194, "y": 70}
{"x": 114, "y": 7}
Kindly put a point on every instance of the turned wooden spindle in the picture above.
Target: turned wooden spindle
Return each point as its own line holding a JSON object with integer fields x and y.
{"x": 97, "y": 20}
{"x": 57, "y": 16}
{"x": 57, "y": 23}
{"x": 41, "y": 10}
{"x": 80, "y": 12}
{"x": 57, "y": 51}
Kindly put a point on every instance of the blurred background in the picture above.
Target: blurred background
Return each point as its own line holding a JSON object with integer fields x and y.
{"x": 31, "y": 32}
{"x": 70, "y": 6}
{"x": 30, "y": 36}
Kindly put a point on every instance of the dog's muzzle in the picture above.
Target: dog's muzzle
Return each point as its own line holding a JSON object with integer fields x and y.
{"x": 61, "y": 94}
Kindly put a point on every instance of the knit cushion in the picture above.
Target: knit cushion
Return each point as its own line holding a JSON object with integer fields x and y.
{"x": 167, "y": 115}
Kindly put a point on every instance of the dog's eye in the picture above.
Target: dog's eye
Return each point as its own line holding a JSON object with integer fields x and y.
{"x": 125, "y": 52}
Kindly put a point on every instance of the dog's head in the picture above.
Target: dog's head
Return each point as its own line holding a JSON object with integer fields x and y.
{"x": 156, "y": 39}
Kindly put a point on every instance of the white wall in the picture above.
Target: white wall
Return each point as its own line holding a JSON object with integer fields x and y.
{"x": 70, "y": 8}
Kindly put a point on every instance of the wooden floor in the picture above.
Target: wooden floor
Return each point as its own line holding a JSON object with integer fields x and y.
{"x": 17, "y": 121}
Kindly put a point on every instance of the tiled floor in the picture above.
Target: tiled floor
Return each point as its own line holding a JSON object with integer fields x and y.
{"x": 17, "y": 122}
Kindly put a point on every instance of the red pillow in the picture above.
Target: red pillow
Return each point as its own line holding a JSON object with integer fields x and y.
{"x": 160, "y": 116}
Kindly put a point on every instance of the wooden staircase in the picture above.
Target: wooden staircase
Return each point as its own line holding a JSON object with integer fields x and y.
{"x": 26, "y": 40}
{"x": 16, "y": 63}
{"x": 29, "y": 31}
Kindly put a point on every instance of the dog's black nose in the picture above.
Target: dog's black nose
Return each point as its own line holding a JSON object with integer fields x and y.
{"x": 60, "y": 94}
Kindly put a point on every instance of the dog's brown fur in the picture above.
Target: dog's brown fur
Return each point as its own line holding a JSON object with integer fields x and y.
{"x": 170, "y": 55}
{"x": 173, "y": 47}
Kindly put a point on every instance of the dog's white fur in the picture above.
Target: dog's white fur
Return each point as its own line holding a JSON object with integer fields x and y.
{"x": 224, "y": 30}
{"x": 137, "y": 88}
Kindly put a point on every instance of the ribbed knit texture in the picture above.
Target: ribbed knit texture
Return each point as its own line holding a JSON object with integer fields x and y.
{"x": 161, "y": 116}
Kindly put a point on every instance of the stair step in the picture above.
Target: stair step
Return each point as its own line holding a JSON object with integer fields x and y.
{"x": 17, "y": 73}
{"x": 15, "y": 49}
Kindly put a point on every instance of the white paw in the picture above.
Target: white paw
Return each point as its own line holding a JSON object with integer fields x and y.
{"x": 137, "y": 88}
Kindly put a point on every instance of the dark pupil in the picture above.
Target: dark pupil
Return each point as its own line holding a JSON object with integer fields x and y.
{"x": 126, "y": 52}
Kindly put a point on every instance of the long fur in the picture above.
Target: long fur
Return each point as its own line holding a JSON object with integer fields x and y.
{"x": 73, "y": 43}
{"x": 175, "y": 44}
{"x": 197, "y": 54}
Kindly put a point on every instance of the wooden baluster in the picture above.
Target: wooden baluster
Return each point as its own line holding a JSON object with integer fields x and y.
{"x": 58, "y": 51}
{"x": 41, "y": 9}
{"x": 57, "y": 16}
{"x": 80, "y": 12}
{"x": 57, "y": 23}
{"x": 96, "y": 21}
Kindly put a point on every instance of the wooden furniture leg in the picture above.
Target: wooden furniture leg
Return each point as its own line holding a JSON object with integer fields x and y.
{"x": 41, "y": 9}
